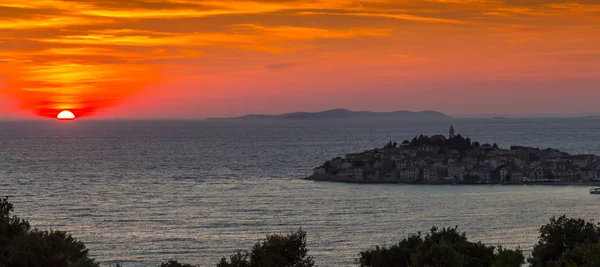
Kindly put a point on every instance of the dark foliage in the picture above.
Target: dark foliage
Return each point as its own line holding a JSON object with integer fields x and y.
{"x": 507, "y": 258}
{"x": 458, "y": 142}
{"x": 446, "y": 247}
{"x": 22, "y": 246}
{"x": 276, "y": 251}
{"x": 391, "y": 144}
{"x": 567, "y": 242}
{"x": 563, "y": 242}
{"x": 172, "y": 263}
{"x": 421, "y": 140}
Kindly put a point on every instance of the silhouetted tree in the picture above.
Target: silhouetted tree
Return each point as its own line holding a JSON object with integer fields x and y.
{"x": 459, "y": 143}
{"x": 391, "y": 144}
{"x": 589, "y": 255}
{"x": 446, "y": 247}
{"x": 275, "y": 251}
{"x": 414, "y": 141}
{"x": 507, "y": 257}
{"x": 566, "y": 242}
{"x": 468, "y": 142}
{"x": 22, "y": 246}
{"x": 173, "y": 263}
{"x": 563, "y": 242}
{"x": 388, "y": 145}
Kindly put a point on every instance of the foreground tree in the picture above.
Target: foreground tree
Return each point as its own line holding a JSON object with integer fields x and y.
{"x": 446, "y": 247}
{"x": 507, "y": 258}
{"x": 564, "y": 242}
{"x": 276, "y": 251}
{"x": 172, "y": 263}
{"x": 589, "y": 255}
{"x": 567, "y": 242}
{"x": 22, "y": 246}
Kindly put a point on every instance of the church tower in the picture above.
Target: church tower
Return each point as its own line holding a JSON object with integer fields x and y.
{"x": 452, "y": 133}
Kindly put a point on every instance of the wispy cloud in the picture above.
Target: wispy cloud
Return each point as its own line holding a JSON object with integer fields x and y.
{"x": 406, "y": 17}
{"x": 280, "y": 66}
{"x": 65, "y": 53}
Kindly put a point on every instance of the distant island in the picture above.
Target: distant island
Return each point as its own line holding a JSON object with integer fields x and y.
{"x": 342, "y": 114}
{"x": 458, "y": 160}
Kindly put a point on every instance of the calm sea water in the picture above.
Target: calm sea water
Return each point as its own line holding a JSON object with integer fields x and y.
{"x": 140, "y": 192}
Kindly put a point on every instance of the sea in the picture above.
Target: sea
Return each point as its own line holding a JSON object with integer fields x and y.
{"x": 141, "y": 192}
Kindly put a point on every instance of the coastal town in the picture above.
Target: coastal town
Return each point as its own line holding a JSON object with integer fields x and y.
{"x": 458, "y": 160}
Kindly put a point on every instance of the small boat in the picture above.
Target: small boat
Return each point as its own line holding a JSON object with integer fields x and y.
{"x": 595, "y": 191}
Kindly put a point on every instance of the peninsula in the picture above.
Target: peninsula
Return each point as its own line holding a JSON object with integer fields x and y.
{"x": 343, "y": 114}
{"x": 458, "y": 160}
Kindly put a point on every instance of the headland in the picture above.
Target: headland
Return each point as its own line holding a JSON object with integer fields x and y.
{"x": 459, "y": 160}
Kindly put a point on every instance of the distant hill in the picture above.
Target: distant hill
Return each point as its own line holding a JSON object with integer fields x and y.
{"x": 343, "y": 114}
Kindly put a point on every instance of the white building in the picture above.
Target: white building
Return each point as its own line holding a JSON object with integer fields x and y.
{"x": 421, "y": 162}
{"x": 428, "y": 149}
{"x": 430, "y": 174}
{"x": 410, "y": 174}
{"x": 538, "y": 173}
{"x": 504, "y": 174}
{"x": 493, "y": 163}
{"x": 397, "y": 158}
{"x": 401, "y": 164}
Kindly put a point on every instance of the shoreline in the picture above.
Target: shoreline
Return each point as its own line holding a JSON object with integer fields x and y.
{"x": 334, "y": 179}
{"x": 458, "y": 160}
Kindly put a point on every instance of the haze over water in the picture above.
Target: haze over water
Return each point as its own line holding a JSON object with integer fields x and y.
{"x": 141, "y": 192}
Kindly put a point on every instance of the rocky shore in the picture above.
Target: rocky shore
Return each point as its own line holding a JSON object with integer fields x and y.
{"x": 333, "y": 178}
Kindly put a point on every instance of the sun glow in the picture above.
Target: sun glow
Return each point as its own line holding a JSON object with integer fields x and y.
{"x": 151, "y": 58}
{"x": 65, "y": 115}
{"x": 84, "y": 89}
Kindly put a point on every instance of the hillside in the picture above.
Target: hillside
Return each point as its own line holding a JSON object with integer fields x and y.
{"x": 342, "y": 114}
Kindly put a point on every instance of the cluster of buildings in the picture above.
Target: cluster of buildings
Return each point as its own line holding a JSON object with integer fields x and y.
{"x": 434, "y": 163}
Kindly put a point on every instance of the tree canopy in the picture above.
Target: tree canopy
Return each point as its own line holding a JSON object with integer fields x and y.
{"x": 173, "y": 263}
{"x": 458, "y": 142}
{"x": 446, "y": 247}
{"x": 563, "y": 242}
{"x": 567, "y": 242}
{"x": 276, "y": 251}
{"x": 22, "y": 246}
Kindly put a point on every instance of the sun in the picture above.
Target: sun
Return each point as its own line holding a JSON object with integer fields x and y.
{"x": 65, "y": 115}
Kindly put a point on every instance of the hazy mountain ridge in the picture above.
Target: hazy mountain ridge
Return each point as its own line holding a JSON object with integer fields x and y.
{"x": 526, "y": 116}
{"x": 343, "y": 114}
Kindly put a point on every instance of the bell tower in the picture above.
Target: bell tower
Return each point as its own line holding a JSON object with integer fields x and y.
{"x": 452, "y": 134}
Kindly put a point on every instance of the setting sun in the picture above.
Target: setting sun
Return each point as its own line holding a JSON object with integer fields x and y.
{"x": 65, "y": 115}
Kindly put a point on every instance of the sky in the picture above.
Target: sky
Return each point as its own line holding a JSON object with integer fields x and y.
{"x": 197, "y": 59}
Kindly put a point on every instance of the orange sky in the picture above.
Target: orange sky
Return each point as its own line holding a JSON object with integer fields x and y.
{"x": 188, "y": 58}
